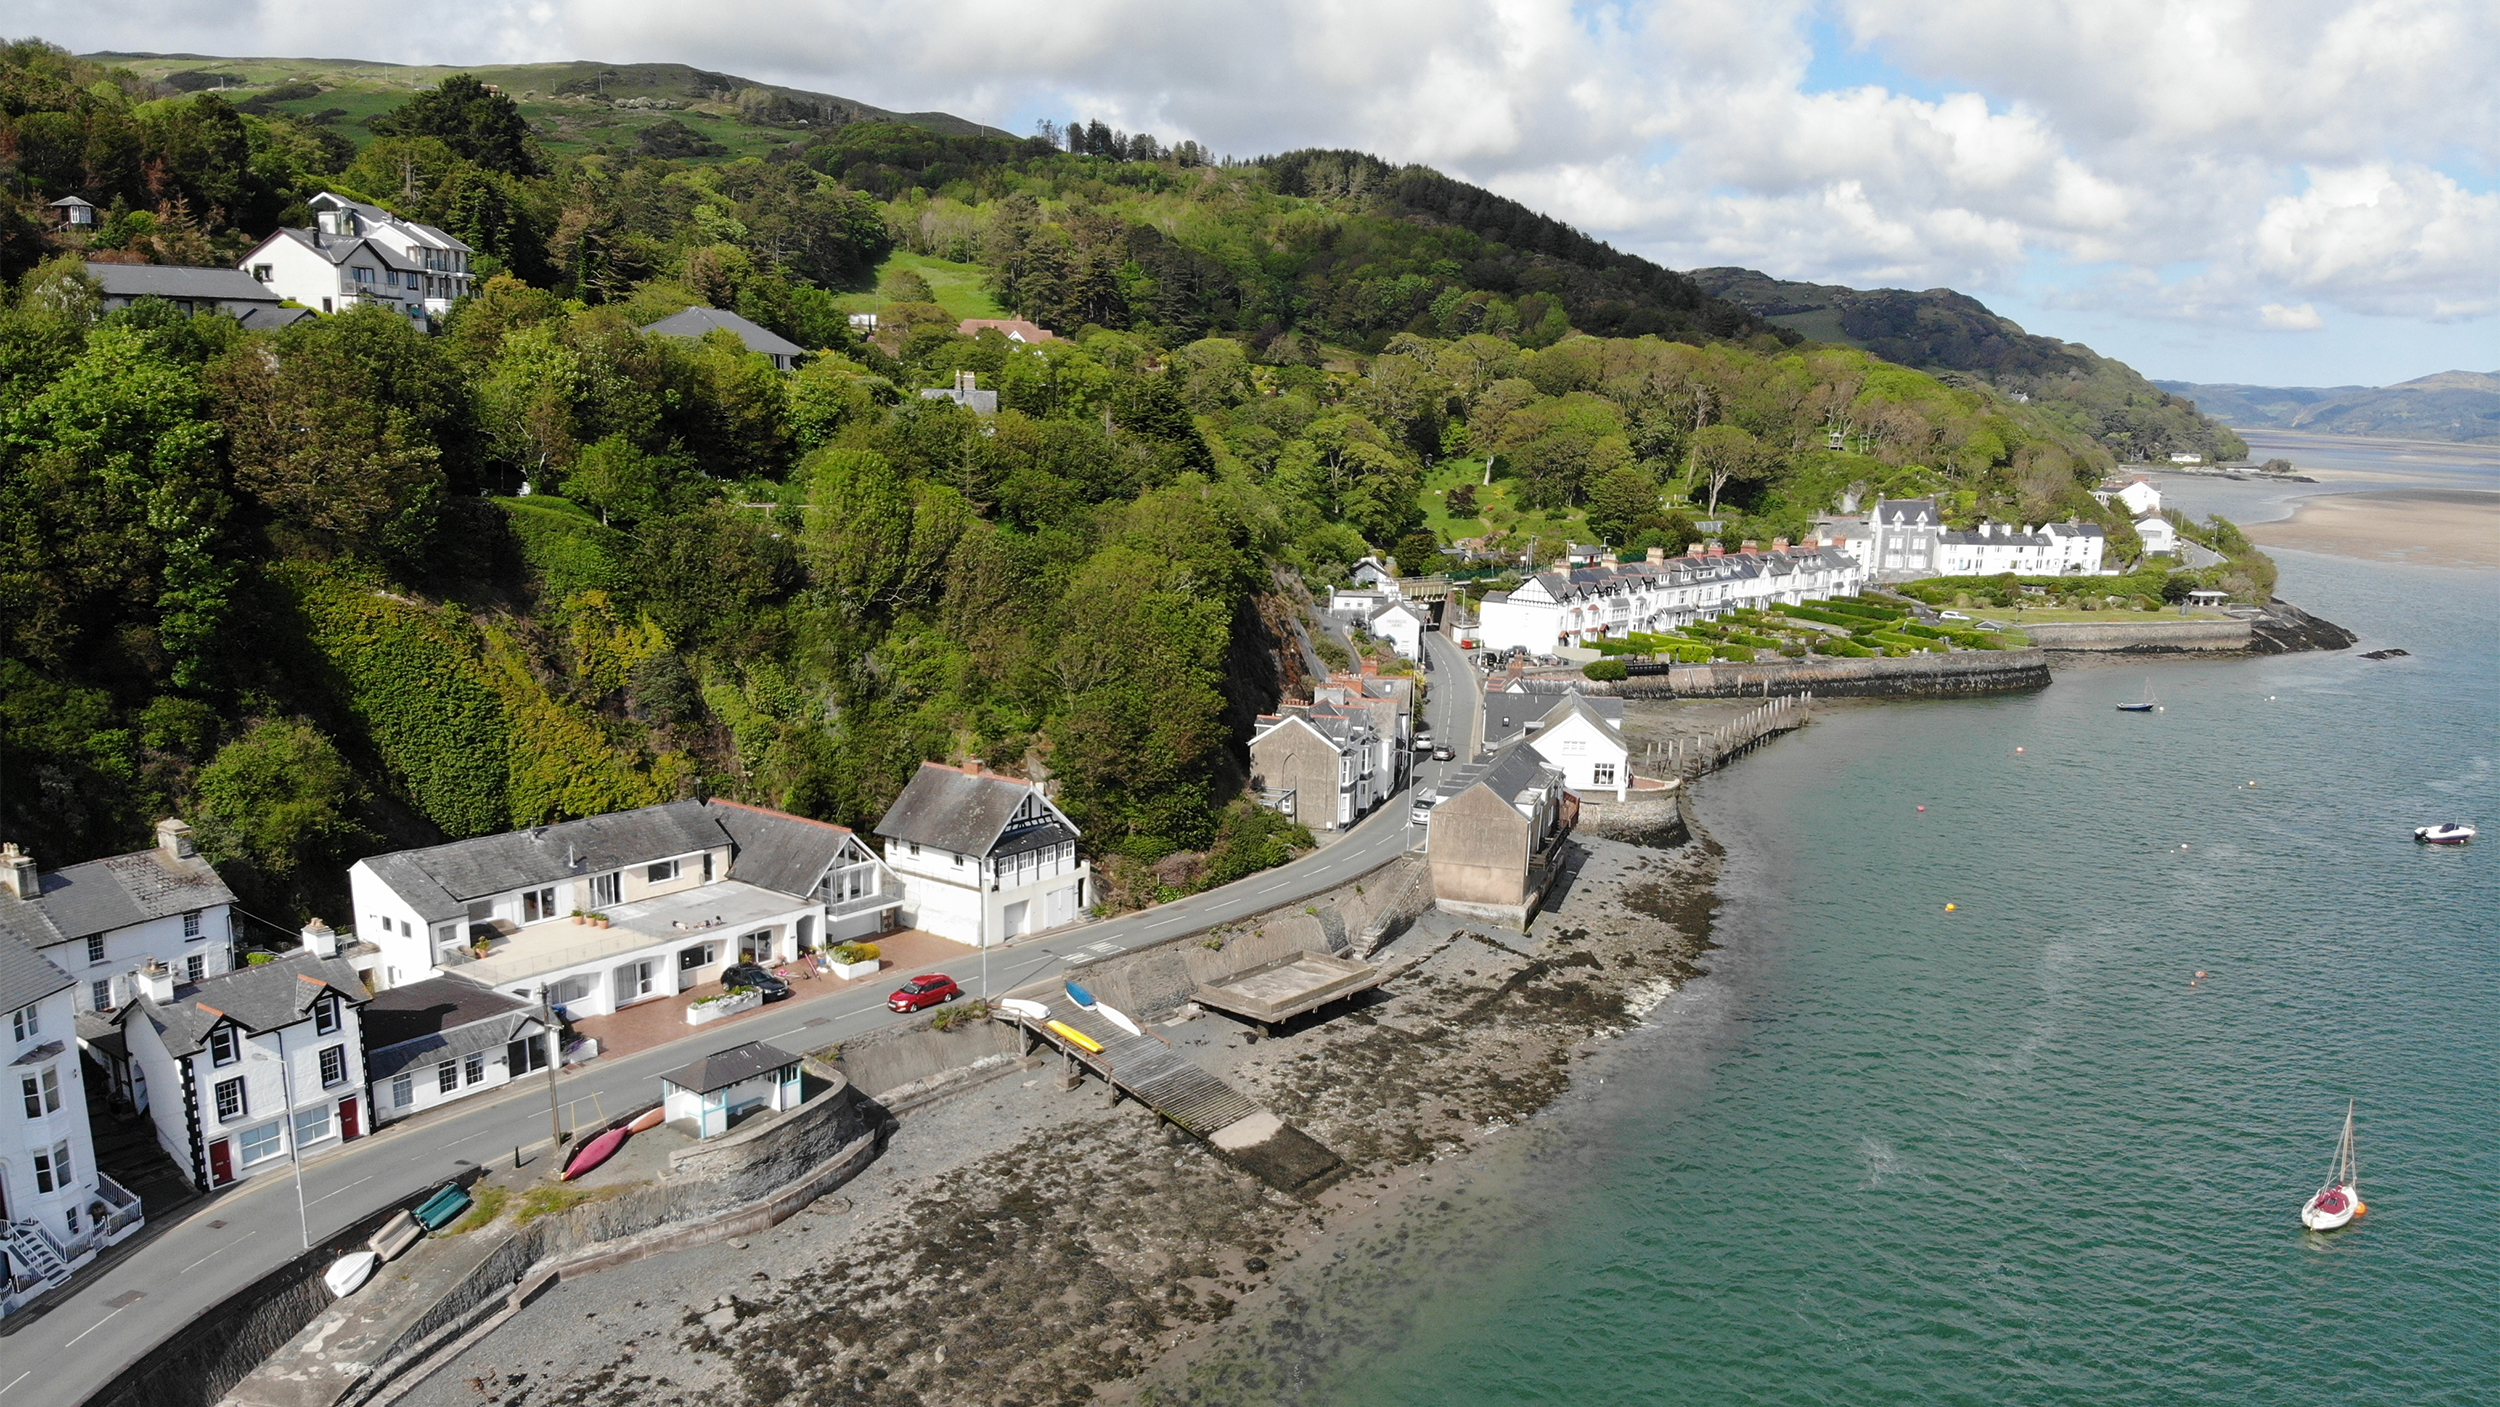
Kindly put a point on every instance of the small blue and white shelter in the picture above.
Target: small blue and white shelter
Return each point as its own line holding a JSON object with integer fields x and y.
{"x": 724, "y": 1087}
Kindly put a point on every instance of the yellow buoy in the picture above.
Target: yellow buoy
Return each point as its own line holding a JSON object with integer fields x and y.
{"x": 1948, "y": 908}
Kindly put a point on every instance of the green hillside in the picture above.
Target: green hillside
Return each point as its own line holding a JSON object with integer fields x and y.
{"x": 1955, "y": 335}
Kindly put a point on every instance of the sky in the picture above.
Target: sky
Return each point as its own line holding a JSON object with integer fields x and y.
{"x": 2294, "y": 192}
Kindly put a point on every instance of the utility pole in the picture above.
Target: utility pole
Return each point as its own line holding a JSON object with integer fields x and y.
{"x": 555, "y": 1057}
{"x": 294, "y": 1141}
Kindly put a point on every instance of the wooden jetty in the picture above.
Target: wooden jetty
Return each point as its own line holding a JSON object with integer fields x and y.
{"x": 1708, "y": 752}
{"x": 1274, "y": 993}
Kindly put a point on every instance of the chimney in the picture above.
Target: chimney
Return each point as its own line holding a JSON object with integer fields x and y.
{"x": 966, "y": 381}
{"x": 1609, "y": 558}
{"x": 1750, "y": 546}
{"x": 17, "y": 872}
{"x": 972, "y": 767}
{"x": 1693, "y": 551}
{"x": 1779, "y": 544}
{"x": 173, "y": 840}
{"x": 1715, "y": 549}
{"x": 157, "y": 981}
{"x": 320, "y": 939}
{"x": 1657, "y": 556}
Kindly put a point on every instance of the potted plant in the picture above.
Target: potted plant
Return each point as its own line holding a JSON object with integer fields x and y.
{"x": 854, "y": 960}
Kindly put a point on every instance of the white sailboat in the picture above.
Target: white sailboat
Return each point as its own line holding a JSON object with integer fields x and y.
{"x": 2339, "y": 1201}
{"x": 2148, "y": 704}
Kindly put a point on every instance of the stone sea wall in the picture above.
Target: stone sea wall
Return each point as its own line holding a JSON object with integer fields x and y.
{"x": 1916, "y": 676}
{"x": 2142, "y": 635}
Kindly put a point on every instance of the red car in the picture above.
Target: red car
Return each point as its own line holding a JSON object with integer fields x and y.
{"x": 921, "y": 993}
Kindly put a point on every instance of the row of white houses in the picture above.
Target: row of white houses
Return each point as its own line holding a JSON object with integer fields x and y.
{"x": 1557, "y": 609}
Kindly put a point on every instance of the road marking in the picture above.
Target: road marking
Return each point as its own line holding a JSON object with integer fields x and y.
{"x": 4, "y": 1391}
{"x": 107, "y": 1319}
{"x": 221, "y": 1250}
{"x": 326, "y": 1196}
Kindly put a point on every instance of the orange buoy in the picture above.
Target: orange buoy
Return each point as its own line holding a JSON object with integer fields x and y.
{"x": 2018, "y": 749}
{"x": 2360, "y": 1209}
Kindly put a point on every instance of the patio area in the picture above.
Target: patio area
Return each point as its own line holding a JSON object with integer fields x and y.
{"x": 904, "y": 953}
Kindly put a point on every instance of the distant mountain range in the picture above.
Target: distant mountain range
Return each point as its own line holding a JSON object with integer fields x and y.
{"x": 1955, "y": 336}
{"x": 2452, "y": 405}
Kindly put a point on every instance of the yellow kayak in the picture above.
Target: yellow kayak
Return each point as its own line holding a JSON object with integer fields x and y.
{"x": 1075, "y": 1037}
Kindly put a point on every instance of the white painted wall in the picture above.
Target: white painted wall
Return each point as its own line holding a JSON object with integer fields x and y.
{"x": 22, "y": 1136}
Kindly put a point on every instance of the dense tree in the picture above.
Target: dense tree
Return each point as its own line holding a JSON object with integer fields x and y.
{"x": 477, "y": 123}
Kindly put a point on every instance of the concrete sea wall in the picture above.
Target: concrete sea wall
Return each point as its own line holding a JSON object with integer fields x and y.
{"x": 2145, "y": 634}
{"x": 1916, "y": 676}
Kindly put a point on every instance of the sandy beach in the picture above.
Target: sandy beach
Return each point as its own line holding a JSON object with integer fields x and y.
{"x": 1021, "y": 1244}
{"x": 2422, "y": 527}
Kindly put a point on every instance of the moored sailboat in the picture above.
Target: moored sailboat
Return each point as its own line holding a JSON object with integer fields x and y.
{"x": 2337, "y": 1203}
{"x": 2147, "y": 704}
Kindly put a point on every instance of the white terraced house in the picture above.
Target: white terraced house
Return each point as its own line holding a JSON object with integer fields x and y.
{"x": 357, "y": 253}
{"x": 602, "y": 913}
{"x": 57, "y": 1210}
{"x": 430, "y": 1043}
{"x": 983, "y": 857}
{"x": 245, "y": 1069}
{"x": 1580, "y": 733}
{"x": 1557, "y": 609}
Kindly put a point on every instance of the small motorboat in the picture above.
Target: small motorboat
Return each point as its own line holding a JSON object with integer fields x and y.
{"x": 2147, "y": 704}
{"x": 349, "y": 1272}
{"x": 1074, "y": 1037}
{"x": 1117, "y": 1017}
{"x": 2337, "y": 1203}
{"x": 1019, "y": 1007}
{"x": 648, "y": 1119}
{"x": 396, "y": 1236}
{"x": 2445, "y": 833}
{"x": 1084, "y": 999}
{"x": 594, "y": 1152}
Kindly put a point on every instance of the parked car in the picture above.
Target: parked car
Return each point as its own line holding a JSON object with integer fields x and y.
{"x": 756, "y": 975}
{"x": 1442, "y": 754}
{"x": 923, "y": 992}
{"x": 1951, "y": 615}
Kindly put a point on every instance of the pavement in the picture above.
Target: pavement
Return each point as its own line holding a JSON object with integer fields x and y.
{"x": 223, "y": 1242}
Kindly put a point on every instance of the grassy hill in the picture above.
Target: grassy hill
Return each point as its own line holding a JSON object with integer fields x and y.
{"x": 576, "y": 108}
{"x": 1957, "y": 336}
{"x": 2450, "y": 405}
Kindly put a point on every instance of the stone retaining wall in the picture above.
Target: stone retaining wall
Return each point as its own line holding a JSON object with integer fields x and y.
{"x": 2147, "y": 634}
{"x": 1654, "y": 818}
{"x": 1915, "y": 676}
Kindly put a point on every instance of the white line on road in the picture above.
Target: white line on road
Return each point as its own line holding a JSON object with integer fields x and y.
{"x": 326, "y": 1196}
{"x": 73, "y": 1343}
{"x": 221, "y": 1250}
{"x": 4, "y": 1391}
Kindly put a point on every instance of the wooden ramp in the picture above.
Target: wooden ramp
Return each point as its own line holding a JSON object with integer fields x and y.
{"x": 1146, "y": 1068}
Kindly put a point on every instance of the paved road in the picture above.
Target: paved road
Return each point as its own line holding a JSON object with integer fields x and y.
{"x": 225, "y": 1242}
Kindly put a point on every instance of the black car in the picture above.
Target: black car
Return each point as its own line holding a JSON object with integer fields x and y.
{"x": 756, "y": 975}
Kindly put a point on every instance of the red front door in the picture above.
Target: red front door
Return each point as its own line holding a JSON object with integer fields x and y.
{"x": 220, "y": 1163}
{"x": 347, "y": 1118}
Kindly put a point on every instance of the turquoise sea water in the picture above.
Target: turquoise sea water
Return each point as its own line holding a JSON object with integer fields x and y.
{"x": 2016, "y": 1154}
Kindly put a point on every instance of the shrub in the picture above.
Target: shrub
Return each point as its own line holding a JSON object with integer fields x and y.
{"x": 848, "y": 953}
{"x": 952, "y": 1017}
{"x": 1606, "y": 669}
{"x": 1741, "y": 654}
{"x": 1842, "y": 649}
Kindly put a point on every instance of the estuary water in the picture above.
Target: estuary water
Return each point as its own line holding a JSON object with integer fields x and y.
{"x": 2019, "y": 1152}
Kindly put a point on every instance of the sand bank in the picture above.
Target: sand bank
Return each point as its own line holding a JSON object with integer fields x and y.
{"x": 2422, "y": 527}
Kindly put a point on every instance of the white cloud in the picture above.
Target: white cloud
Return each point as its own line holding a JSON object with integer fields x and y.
{"x": 2293, "y": 157}
{"x": 2300, "y": 319}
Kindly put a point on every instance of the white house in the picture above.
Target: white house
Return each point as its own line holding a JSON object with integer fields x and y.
{"x": 243, "y": 1069}
{"x": 1555, "y": 609}
{"x": 357, "y": 253}
{"x": 194, "y": 290}
{"x": 433, "y": 1042}
{"x": 1905, "y": 534}
{"x": 1357, "y": 603}
{"x": 611, "y": 910}
{"x": 1403, "y": 624}
{"x": 1580, "y": 733}
{"x": 2183, "y": 456}
{"x": 56, "y": 1208}
{"x": 103, "y": 920}
{"x": 695, "y": 322}
{"x": 2138, "y": 496}
{"x": 710, "y": 1096}
{"x": 1991, "y": 548}
{"x": 1372, "y": 574}
{"x": 983, "y": 857}
{"x": 2077, "y": 549}
{"x": 2160, "y": 538}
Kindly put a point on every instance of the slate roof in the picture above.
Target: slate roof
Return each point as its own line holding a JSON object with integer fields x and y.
{"x": 1907, "y": 511}
{"x": 264, "y": 998}
{"x": 170, "y": 281}
{"x": 376, "y": 215}
{"x": 777, "y": 850}
{"x": 26, "y": 976}
{"x": 1507, "y": 770}
{"x": 1507, "y": 714}
{"x": 99, "y": 896}
{"x": 1607, "y": 720}
{"x": 438, "y": 882}
{"x": 694, "y": 322}
{"x": 440, "y": 1018}
{"x": 338, "y": 249}
{"x": 954, "y": 810}
{"x": 723, "y": 1068}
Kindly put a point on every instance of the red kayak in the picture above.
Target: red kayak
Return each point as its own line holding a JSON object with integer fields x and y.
{"x": 598, "y": 1150}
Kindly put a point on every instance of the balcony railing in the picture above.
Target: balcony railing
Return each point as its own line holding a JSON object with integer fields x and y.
{"x": 125, "y": 1216}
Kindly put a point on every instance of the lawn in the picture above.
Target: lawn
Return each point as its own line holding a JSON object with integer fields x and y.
{"x": 958, "y": 287}
{"x": 1494, "y": 506}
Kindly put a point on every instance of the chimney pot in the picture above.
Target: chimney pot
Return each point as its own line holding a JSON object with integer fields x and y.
{"x": 173, "y": 840}
{"x": 18, "y": 874}
{"x": 1779, "y": 544}
{"x": 1657, "y": 555}
{"x": 1750, "y": 546}
{"x": 320, "y": 939}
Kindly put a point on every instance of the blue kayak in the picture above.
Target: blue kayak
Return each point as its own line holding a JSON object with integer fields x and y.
{"x": 1079, "y": 995}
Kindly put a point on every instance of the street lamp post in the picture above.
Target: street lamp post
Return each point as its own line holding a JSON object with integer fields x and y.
{"x": 294, "y": 1140}
{"x": 555, "y": 1057}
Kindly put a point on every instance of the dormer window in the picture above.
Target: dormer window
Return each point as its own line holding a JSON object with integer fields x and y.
{"x": 325, "y": 1016}
{"x": 223, "y": 1047}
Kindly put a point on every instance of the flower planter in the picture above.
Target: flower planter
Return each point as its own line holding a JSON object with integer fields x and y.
{"x": 717, "y": 1007}
{"x": 866, "y": 967}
